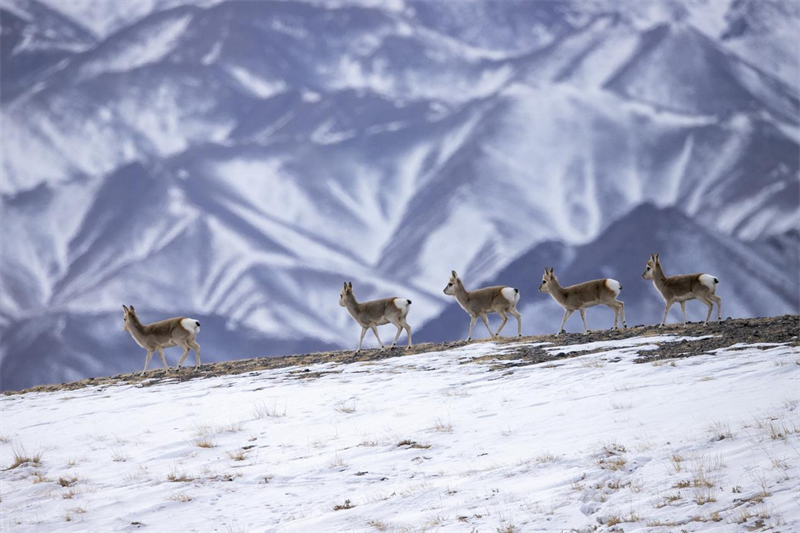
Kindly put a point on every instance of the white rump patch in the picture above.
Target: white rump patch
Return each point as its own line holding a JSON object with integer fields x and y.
{"x": 708, "y": 281}
{"x": 402, "y": 304}
{"x": 510, "y": 294}
{"x": 614, "y": 286}
{"x": 190, "y": 325}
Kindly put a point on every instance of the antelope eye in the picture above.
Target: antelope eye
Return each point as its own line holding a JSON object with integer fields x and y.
{"x": 449, "y": 284}
{"x": 648, "y": 268}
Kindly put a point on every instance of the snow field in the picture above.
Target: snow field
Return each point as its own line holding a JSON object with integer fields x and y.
{"x": 444, "y": 441}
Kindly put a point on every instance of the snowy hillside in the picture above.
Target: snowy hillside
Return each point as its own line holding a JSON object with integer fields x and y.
{"x": 587, "y": 435}
{"x": 236, "y": 161}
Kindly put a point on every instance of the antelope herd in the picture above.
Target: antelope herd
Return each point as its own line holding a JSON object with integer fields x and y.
{"x": 478, "y": 303}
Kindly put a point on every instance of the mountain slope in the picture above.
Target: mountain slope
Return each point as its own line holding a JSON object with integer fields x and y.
{"x": 600, "y": 434}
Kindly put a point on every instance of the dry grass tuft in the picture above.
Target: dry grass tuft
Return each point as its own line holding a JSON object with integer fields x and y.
{"x": 341, "y": 506}
{"x": 441, "y": 427}
{"x": 379, "y": 525}
{"x": 613, "y": 520}
{"x": 676, "y": 464}
{"x": 345, "y": 407}
{"x": 776, "y": 427}
{"x": 180, "y": 497}
{"x": 704, "y": 495}
{"x": 39, "y": 478}
{"x": 668, "y": 499}
{"x": 179, "y": 477}
{"x": 119, "y": 456}
{"x": 337, "y": 462}
{"x": 544, "y": 458}
{"x": 273, "y": 410}
{"x": 612, "y": 463}
{"x": 720, "y": 431}
{"x": 67, "y": 481}
{"x": 24, "y": 458}
{"x": 71, "y": 512}
{"x": 205, "y": 442}
{"x": 593, "y": 362}
{"x": 237, "y": 455}
{"x": 413, "y": 444}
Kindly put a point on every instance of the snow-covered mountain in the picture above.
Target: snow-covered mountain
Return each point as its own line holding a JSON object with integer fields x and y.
{"x": 235, "y": 161}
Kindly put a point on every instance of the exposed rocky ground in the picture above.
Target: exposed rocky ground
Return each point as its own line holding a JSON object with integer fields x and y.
{"x": 524, "y": 351}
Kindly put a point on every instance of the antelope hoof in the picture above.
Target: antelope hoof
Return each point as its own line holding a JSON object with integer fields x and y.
{"x": 469, "y": 339}
{"x": 624, "y": 325}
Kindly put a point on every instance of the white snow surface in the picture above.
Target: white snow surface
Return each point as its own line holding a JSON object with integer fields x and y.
{"x": 707, "y": 443}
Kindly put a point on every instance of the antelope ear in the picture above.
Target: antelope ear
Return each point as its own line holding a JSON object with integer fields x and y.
{"x": 551, "y": 271}
{"x": 453, "y": 273}
{"x": 344, "y": 284}
{"x": 350, "y": 285}
{"x": 133, "y": 310}
{"x": 657, "y": 258}
{"x": 124, "y": 308}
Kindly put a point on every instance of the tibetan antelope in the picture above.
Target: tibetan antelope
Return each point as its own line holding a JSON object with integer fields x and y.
{"x": 579, "y": 297}
{"x": 480, "y": 302}
{"x": 376, "y": 313}
{"x": 682, "y": 288}
{"x": 178, "y": 331}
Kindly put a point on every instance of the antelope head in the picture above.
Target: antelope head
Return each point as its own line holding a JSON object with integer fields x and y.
{"x": 128, "y": 313}
{"x": 347, "y": 290}
{"x": 650, "y": 267}
{"x": 547, "y": 280}
{"x": 451, "y": 283}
